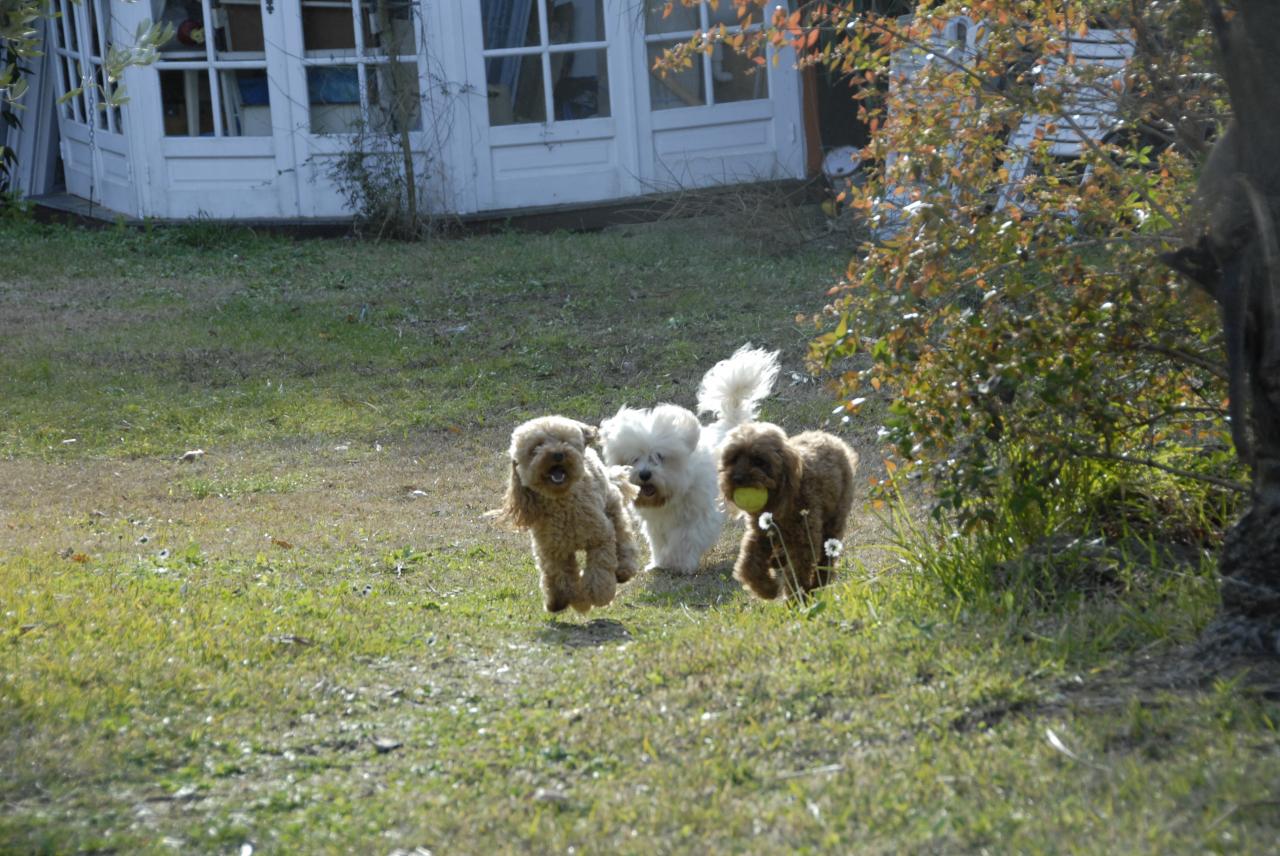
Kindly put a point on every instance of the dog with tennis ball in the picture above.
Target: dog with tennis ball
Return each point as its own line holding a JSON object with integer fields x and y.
{"x": 797, "y": 493}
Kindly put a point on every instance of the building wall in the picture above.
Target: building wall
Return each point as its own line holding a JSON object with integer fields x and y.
{"x": 249, "y": 116}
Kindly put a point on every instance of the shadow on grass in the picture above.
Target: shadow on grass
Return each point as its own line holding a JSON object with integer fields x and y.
{"x": 597, "y": 631}
{"x": 713, "y": 585}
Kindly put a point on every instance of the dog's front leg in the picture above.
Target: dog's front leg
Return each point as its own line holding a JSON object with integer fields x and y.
{"x": 803, "y": 574}
{"x": 628, "y": 554}
{"x": 826, "y": 565}
{"x": 561, "y": 584}
{"x": 814, "y": 568}
{"x": 600, "y": 576}
{"x": 752, "y": 567}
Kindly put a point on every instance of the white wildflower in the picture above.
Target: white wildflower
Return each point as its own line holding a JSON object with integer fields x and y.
{"x": 832, "y": 547}
{"x": 766, "y": 520}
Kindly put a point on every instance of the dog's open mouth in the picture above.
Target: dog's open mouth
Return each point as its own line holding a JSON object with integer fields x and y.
{"x": 648, "y": 490}
{"x": 557, "y": 475}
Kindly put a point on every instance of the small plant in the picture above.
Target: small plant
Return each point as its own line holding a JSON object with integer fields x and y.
{"x": 792, "y": 589}
{"x": 382, "y": 191}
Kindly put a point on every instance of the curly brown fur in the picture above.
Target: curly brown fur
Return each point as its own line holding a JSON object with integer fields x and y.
{"x": 561, "y": 492}
{"x": 809, "y": 479}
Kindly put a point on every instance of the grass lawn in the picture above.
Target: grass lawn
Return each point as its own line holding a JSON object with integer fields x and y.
{"x": 311, "y": 639}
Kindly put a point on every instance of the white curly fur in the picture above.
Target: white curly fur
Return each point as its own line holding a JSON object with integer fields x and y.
{"x": 673, "y": 457}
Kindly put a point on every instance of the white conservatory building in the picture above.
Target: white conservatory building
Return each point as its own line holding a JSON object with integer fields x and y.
{"x": 505, "y": 104}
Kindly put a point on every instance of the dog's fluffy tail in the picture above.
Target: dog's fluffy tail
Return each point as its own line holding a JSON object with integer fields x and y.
{"x": 621, "y": 478}
{"x": 732, "y": 389}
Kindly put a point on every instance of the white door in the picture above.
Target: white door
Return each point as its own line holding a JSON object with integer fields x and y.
{"x": 727, "y": 118}
{"x": 360, "y": 81}
{"x": 95, "y": 151}
{"x": 216, "y": 121}
{"x": 551, "y": 107}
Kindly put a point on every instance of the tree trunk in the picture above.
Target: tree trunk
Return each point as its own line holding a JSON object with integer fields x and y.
{"x": 1237, "y": 260}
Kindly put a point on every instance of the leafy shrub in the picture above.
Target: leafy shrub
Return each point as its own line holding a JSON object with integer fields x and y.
{"x": 1018, "y": 318}
{"x": 1011, "y": 314}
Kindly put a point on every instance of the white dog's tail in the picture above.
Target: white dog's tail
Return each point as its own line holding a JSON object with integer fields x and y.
{"x": 621, "y": 478}
{"x": 732, "y": 389}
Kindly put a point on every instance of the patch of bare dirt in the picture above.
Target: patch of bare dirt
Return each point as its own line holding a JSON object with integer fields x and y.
{"x": 241, "y": 501}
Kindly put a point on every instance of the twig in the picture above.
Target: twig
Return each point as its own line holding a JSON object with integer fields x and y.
{"x": 1216, "y": 369}
{"x": 812, "y": 771}
{"x": 1226, "y": 484}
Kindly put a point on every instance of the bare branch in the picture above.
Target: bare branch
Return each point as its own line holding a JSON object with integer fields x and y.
{"x": 1226, "y": 484}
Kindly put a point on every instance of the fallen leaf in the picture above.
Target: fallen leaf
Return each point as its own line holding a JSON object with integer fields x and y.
{"x": 554, "y": 796}
{"x": 386, "y": 744}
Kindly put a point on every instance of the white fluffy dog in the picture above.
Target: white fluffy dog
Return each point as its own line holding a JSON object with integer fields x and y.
{"x": 673, "y": 457}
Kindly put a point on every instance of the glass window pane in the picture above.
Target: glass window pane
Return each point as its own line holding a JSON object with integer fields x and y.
{"x": 91, "y": 28}
{"x": 582, "y": 86}
{"x": 575, "y": 21}
{"x": 327, "y": 25}
{"x": 394, "y": 97}
{"x": 515, "y": 89}
{"x": 509, "y": 23}
{"x": 85, "y": 82}
{"x": 188, "y": 109}
{"x": 69, "y": 27}
{"x": 187, "y": 21}
{"x": 243, "y": 31}
{"x": 98, "y": 96}
{"x": 675, "y": 88}
{"x": 737, "y": 77}
{"x": 247, "y": 103}
{"x": 679, "y": 19}
{"x": 64, "y": 79}
{"x": 333, "y": 91}
{"x": 390, "y": 24}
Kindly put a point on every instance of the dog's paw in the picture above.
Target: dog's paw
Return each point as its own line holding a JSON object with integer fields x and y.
{"x": 555, "y": 605}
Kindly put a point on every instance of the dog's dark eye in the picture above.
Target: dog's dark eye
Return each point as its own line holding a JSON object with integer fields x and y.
{"x": 757, "y": 461}
{"x": 657, "y": 457}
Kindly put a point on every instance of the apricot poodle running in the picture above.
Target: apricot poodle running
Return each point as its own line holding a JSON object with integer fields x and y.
{"x": 561, "y": 492}
{"x": 797, "y": 492}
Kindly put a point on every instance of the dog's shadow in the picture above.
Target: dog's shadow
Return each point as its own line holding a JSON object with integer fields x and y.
{"x": 713, "y": 585}
{"x": 596, "y": 632}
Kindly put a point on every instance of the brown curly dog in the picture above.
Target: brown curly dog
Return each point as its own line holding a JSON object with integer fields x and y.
{"x": 561, "y": 492}
{"x": 809, "y": 483}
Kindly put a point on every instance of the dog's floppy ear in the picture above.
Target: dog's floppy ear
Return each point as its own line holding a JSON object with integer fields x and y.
{"x": 520, "y": 506}
{"x": 590, "y": 434}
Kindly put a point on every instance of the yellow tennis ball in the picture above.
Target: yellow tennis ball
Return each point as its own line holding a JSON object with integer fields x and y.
{"x": 750, "y": 499}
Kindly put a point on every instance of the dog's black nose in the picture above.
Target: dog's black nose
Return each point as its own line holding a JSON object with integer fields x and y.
{"x": 644, "y": 475}
{"x": 558, "y": 457}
